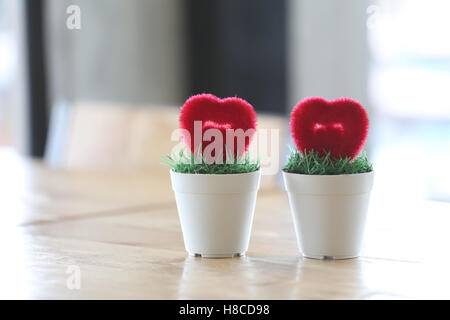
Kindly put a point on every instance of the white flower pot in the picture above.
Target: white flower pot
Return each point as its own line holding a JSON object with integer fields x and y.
{"x": 216, "y": 211}
{"x": 329, "y": 212}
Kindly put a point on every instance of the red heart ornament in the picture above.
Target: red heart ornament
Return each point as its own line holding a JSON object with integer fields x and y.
{"x": 215, "y": 113}
{"x": 340, "y": 126}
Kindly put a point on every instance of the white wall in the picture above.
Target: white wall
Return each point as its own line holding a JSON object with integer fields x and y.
{"x": 127, "y": 51}
{"x": 328, "y": 54}
{"x": 14, "y": 122}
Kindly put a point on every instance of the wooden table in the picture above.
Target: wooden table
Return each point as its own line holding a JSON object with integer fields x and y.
{"x": 119, "y": 232}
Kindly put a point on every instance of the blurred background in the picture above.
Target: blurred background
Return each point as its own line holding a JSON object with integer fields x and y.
{"x": 97, "y": 84}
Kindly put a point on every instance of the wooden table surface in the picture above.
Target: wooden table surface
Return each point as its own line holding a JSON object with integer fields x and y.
{"x": 121, "y": 232}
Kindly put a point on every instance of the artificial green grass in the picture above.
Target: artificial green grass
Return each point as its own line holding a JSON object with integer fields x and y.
{"x": 313, "y": 164}
{"x": 183, "y": 163}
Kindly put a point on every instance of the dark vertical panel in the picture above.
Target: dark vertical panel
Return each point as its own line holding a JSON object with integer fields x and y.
{"x": 37, "y": 84}
{"x": 238, "y": 47}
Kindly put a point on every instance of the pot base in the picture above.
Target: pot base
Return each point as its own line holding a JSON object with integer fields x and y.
{"x": 217, "y": 256}
{"x": 321, "y": 257}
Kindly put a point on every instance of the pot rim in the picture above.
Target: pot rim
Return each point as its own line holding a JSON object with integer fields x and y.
{"x": 341, "y": 184}
{"x": 328, "y": 175}
{"x": 215, "y": 183}
{"x": 214, "y": 174}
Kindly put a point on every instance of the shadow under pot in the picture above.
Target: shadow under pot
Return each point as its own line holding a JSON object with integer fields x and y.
{"x": 329, "y": 212}
{"x": 216, "y": 211}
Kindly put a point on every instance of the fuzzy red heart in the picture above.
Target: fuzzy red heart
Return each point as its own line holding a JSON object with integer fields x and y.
{"x": 340, "y": 126}
{"x": 215, "y": 113}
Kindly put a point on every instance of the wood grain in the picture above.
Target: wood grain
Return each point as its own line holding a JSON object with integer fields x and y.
{"x": 123, "y": 232}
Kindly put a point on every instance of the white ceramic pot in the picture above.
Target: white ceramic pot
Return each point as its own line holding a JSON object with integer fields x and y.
{"x": 216, "y": 211}
{"x": 329, "y": 212}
